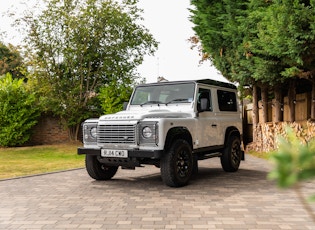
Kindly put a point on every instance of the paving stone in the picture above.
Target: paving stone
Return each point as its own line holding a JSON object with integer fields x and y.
{"x": 139, "y": 200}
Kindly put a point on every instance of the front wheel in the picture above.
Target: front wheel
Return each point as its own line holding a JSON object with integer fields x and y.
{"x": 97, "y": 170}
{"x": 177, "y": 164}
{"x": 232, "y": 154}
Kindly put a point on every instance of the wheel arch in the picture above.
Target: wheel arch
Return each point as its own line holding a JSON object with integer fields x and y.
{"x": 177, "y": 133}
{"x": 232, "y": 130}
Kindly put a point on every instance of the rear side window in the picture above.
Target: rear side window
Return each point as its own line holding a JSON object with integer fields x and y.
{"x": 227, "y": 100}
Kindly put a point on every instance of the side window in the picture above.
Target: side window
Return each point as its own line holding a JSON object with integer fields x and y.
{"x": 204, "y": 93}
{"x": 227, "y": 100}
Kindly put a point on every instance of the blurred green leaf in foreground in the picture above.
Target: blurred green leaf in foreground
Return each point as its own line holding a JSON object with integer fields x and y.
{"x": 294, "y": 162}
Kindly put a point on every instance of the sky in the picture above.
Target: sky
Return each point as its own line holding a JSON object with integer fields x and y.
{"x": 168, "y": 21}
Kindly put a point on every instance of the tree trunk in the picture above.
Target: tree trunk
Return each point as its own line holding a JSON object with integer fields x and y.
{"x": 255, "y": 112}
{"x": 77, "y": 130}
{"x": 73, "y": 132}
{"x": 313, "y": 101}
{"x": 264, "y": 104}
{"x": 292, "y": 101}
{"x": 278, "y": 104}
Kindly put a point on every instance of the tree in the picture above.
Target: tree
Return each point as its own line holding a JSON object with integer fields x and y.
{"x": 78, "y": 46}
{"x": 282, "y": 45}
{"x": 217, "y": 27}
{"x": 11, "y": 61}
{"x": 224, "y": 30}
{"x": 262, "y": 43}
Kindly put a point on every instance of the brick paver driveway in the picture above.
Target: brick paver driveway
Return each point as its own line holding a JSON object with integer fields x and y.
{"x": 139, "y": 200}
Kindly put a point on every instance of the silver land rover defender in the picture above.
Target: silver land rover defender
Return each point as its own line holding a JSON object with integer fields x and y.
{"x": 171, "y": 125}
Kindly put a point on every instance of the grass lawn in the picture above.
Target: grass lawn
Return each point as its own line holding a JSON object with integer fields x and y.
{"x": 263, "y": 155}
{"x": 23, "y": 161}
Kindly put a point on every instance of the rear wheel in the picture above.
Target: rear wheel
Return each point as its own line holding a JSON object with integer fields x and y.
{"x": 231, "y": 158}
{"x": 97, "y": 170}
{"x": 177, "y": 164}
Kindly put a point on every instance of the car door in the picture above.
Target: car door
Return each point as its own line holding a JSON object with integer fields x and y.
{"x": 207, "y": 127}
{"x": 227, "y": 111}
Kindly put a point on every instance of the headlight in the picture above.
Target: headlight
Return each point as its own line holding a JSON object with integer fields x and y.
{"x": 93, "y": 132}
{"x": 147, "y": 132}
{"x": 89, "y": 132}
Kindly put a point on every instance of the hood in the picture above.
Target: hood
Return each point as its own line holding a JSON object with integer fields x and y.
{"x": 140, "y": 115}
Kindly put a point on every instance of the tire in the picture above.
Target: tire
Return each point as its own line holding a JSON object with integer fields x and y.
{"x": 232, "y": 154}
{"x": 177, "y": 164}
{"x": 97, "y": 170}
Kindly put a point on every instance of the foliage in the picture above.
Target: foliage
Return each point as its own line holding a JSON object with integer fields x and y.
{"x": 217, "y": 24}
{"x": 18, "y": 111}
{"x": 283, "y": 38}
{"x": 113, "y": 95}
{"x": 11, "y": 61}
{"x": 78, "y": 46}
{"x": 257, "y": 41}
{"x": 294, "y": 163}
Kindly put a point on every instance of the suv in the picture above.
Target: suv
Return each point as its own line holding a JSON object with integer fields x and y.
{"x": 171, "y": 125}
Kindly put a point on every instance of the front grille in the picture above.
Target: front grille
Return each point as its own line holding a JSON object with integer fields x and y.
{"x": 116, "y": 134}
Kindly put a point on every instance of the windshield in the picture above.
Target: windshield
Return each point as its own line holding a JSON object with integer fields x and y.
{"x": 163, "y": 94}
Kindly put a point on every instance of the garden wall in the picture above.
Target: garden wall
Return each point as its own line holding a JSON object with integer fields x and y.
{"x": 48, "y": 130}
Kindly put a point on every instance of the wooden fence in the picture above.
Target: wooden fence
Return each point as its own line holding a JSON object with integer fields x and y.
{"x": 266, "y": 133}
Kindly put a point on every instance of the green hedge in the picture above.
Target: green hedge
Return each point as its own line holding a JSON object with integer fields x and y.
{"x": 18, "y": 111}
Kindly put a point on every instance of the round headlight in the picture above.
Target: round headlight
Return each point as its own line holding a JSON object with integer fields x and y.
{"x": 93, "y": 132}
{"x": 147, "y": 132}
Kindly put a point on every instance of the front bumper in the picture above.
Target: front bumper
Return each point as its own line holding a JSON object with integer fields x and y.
{"x": 150, "y": 154}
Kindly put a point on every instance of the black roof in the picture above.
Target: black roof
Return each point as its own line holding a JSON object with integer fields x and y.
{"x": 202, "y": 81}
{"x": 216, "y": 83}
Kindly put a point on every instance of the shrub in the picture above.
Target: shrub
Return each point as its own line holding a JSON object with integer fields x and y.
{"x": 113, "y": 95}
{"x": 18, "y": 111}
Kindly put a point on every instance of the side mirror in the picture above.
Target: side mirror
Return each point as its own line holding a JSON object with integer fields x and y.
{"x": 125, "y": 105}
{"x": 204, "y": 104}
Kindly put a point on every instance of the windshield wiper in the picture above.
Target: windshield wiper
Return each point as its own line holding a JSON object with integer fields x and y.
{"x": 151, "y": 102}
{"x": 177, "y": 100}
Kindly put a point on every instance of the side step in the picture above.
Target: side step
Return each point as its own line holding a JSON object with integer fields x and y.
{"x": 208, "y": 155}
